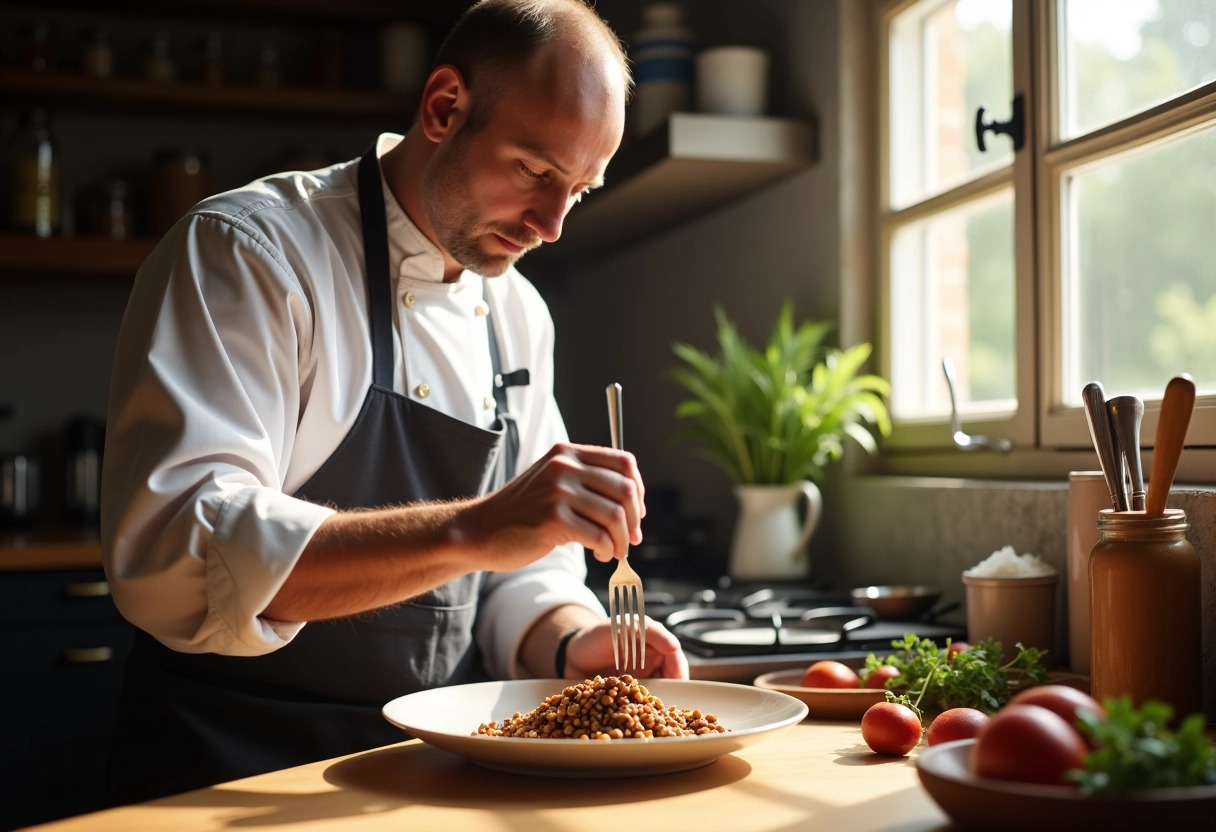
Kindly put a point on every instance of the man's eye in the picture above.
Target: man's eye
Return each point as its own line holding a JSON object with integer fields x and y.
{"x": 529, "y": 173}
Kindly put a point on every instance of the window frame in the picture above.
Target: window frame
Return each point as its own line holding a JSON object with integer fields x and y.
{"x": 1050, "y": 438}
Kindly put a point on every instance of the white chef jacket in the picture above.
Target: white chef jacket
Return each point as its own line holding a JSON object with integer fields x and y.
{"x": 244, "y": 358}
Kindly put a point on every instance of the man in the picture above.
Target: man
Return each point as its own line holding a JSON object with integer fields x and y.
{"x": 311, "y": 504}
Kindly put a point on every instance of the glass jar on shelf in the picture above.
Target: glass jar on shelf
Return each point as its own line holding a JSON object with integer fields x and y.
{"x": 113, "y": 216}
{"x": 35, "y": 199}
{"x": 181, "y": 177}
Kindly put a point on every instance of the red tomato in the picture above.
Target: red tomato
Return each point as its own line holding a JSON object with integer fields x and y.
{"x": 889, "y": 728}
{"x": 878, "y": 676}
{"x": 1063, "y": 701}
{"x": 1028, "y": 744}
{"x": 956, "y": 724}
{"x": 828, "y": 674}
{"x": 956, "y": 647}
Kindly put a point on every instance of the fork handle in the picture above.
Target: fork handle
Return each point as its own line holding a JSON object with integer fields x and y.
{"x": 614, "y": 415}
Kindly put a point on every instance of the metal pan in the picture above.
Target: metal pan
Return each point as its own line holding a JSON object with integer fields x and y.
{"x": 897, "y": 602}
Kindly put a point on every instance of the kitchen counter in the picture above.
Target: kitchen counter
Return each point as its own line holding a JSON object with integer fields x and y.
{"x": 815, "y": 775}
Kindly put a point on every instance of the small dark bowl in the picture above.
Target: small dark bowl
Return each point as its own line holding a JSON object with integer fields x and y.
{"x": 897, "y": 603}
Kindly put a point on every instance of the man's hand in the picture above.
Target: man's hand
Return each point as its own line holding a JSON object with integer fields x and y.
{"x": 590, "y": 653}
{"x": 574, "y": 494}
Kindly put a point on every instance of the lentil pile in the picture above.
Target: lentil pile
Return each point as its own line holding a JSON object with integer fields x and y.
{"x": 612, "y": 708}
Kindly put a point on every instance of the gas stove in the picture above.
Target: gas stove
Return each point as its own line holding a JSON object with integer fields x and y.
{"x": 735, "y": 631}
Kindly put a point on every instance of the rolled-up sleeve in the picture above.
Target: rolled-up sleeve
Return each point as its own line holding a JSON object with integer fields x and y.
{"x": 197, "y": 533}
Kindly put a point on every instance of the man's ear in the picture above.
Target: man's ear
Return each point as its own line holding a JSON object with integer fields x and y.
{"x": 445, "y": 103}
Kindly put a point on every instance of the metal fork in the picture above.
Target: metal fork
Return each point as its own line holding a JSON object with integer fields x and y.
{"x": 626, "y": 605}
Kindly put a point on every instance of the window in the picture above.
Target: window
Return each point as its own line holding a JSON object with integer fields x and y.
{"x": 1089, "y": 253}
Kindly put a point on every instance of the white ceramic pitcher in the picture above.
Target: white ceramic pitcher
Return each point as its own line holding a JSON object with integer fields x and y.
{"x": 770, "y": 542}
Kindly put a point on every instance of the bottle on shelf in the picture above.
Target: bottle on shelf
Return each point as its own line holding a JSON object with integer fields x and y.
{"x": 213, "y": 60}
{"x": 268, "y": 74}
{"x": 36, "y": 51}
{"x": 662, "y": 55}
{"x": 34, "y": 177}
{"x": 160, "y": 65}
{"x": 97, "y": 59}
{"x": 330, "y": 61}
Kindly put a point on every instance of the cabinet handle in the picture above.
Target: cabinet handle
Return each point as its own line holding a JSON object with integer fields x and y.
{"x": 87, "y": 589}
{"x": 87, "y": 655}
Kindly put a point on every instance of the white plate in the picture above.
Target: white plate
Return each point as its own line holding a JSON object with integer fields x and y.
{"x": 997, "y": 805}
{"x": 448, "y": 718}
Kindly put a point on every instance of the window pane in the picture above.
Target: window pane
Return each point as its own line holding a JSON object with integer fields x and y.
{"x": 1139, "y": 271}
{"x": 946, "y": 61}
{"x": 1121, "y": 58}
{"x": 952, "y": 294}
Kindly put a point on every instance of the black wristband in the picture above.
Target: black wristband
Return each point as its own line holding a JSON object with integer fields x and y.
{"x": 559, "y": 660}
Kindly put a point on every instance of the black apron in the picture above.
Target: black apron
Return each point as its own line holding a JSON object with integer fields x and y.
{"x": 189, "y": 720}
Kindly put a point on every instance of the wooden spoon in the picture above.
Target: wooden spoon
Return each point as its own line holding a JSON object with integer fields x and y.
{"x": 1176, "y": 406}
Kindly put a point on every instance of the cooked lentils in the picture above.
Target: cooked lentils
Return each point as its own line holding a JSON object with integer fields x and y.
{"x": 613, "y": 708}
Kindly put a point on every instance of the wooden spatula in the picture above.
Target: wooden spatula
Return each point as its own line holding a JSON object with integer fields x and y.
{"x": 1176, "y": 406}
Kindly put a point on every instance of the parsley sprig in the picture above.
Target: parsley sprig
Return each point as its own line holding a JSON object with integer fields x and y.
{"x": 1135, "y": 749}
{"x": 971, "y": 679}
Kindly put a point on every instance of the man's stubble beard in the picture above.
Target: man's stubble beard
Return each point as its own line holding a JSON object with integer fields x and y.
{"x": 447, "y": 196}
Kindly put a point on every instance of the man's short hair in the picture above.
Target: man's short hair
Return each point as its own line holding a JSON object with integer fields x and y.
{"x": 493, "y": 38}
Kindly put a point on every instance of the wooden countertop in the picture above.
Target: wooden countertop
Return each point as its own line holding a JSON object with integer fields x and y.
{"x": 814, "y": 775}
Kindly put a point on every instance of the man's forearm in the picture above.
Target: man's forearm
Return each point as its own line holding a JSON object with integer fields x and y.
{"x": 362, "y": 560}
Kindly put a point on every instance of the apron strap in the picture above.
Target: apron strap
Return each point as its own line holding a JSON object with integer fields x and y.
{"x": 375, "y": 244}
{"x": 517, "y": 378}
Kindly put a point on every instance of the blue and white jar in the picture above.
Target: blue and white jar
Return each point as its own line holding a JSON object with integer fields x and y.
{"x": 662, "y": 54}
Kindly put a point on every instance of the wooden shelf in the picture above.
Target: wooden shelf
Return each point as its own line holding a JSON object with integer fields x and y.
{"x": 87, "y": 92}
{"x": 72, "y": 255}
{"x": 442, "y": 12}
{"x": 690, "y": 166}
{"x": 24, "y": 552}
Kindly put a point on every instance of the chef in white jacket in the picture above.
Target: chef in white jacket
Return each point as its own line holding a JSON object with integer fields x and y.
{"x": 335, "y": 472}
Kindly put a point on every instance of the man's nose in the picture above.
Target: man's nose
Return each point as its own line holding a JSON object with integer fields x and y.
{"x": 547, "y": 214}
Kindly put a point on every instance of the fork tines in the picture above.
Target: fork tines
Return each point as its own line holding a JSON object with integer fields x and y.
{"x": 627, "y": 609}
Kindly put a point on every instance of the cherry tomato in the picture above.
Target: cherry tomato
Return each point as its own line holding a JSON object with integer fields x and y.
{"x": 956, "y": 724}
{"x": 829, "y": 674}
{"x": 1063, "y": 701}
{"x": 878, "y": 676}
{"x": 890, "y": 728}
{"x": 1028, "y": 744}
{"x": 956, "y": 647}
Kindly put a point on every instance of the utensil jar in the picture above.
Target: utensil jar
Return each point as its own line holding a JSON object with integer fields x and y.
{"x": 1145, "y": 611}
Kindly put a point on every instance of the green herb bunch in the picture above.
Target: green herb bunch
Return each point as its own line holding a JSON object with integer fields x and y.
{"x": 778, "y": 415}
{"x": 1134, "y": 749}
{"x": 970, "y": 679}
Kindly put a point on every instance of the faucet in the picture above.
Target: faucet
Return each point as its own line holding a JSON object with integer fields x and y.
{"x": 965, "y": 441}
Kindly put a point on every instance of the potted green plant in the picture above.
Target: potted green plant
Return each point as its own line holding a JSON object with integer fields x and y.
{"x": 772, "y": 419}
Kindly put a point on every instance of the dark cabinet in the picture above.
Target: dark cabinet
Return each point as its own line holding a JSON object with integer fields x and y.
{"x": 62, "y": 648}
